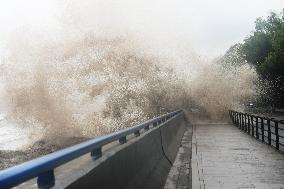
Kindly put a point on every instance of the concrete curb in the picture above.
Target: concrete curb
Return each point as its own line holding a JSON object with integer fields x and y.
{"x": 171, "y": 137}
{"x": 196, "y": 182}
{"x": 180, "y": 174}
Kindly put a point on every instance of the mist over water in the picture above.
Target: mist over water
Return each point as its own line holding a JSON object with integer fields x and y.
{"x": 93, "y": 76}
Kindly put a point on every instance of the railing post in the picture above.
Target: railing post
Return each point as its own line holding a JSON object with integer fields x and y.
{"x": 240, "y": 121}
{"x": 248, "y": 117}
{"x": 252, "y": 126}
{"x": 243, "y": 123}
{"x": 122, "y": 140}
{"x": 245, "y": 126}
{"x": 276, "y": 134}
{"x": 159, "y": 121}
{"x": 238, "y": 117}
{"x": 256, "y": 127}
{"x": 262, "y": 129}
{"x": 137, "y": 133}
{"x": 96, "y": 153}
{"x": 269, "y": 131}
{"x": 46, "y": 180}
{"x": 245, "y": 118}
{"x": 155, "y": 124}
{"x": 146, "y": 127}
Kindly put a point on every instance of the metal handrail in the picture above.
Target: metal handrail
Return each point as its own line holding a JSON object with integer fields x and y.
{"x": 260, "y": 127}
{"x": 43, "y": 167}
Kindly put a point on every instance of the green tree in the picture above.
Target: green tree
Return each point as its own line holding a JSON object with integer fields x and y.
{"x": 256, "y": 48}
{"x": 273, "y": 66}
{"x": 264, "y": 49}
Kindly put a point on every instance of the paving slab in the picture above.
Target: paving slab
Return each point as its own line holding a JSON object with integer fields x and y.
{"x": 225, "y": 157}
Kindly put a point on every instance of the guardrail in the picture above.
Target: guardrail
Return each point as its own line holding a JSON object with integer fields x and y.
{"x": 265, "y": 129}
{"x": 43, "y": 167}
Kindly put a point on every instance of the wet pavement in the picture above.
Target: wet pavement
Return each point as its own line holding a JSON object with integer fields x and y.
{"x": 225, "y": 157}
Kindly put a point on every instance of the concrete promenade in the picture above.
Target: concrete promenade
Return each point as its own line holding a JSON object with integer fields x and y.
{"x": 225, "y": 157}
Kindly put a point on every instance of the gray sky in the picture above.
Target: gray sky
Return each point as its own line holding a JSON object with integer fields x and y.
{"x": 218, "y": 24}
{"x": 207, "y": 26}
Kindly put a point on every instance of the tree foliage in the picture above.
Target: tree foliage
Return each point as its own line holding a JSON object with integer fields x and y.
{"x": 264, "y": 49}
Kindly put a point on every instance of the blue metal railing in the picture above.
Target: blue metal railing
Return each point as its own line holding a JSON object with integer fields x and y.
{"x": 43, "y": 167}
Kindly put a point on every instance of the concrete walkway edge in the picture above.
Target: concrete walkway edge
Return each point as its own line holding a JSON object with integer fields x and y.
{"x": 196, "y": 183}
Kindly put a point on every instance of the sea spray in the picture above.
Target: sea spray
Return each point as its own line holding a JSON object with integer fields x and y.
{"x": 95, "y": 73}
{"x": 100, "y": 86}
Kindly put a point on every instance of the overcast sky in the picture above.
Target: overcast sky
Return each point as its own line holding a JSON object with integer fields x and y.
{"x": 218, "y": 24}
{"x": 207, "y": 26}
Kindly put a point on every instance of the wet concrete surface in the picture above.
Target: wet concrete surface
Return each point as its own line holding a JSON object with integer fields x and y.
{"x": 180, "y": 174}
{"x": 225, "y": 157}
